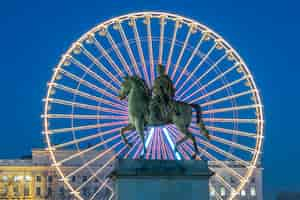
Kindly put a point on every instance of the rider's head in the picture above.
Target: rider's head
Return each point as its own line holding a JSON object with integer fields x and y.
{"x": 160, "y": 69}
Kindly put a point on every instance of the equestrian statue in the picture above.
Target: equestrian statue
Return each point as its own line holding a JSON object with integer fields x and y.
{"x": 158, "y": 107}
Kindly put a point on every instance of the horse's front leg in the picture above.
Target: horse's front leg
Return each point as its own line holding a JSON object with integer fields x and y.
{"x": 123, "y": 130}
{"x": 139, "y": 125}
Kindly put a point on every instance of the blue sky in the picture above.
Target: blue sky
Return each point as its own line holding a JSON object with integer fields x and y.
{"x": 34, "y": 34}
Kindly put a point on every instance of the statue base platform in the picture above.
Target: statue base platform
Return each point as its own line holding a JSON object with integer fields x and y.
{"x": 161, "y": 179}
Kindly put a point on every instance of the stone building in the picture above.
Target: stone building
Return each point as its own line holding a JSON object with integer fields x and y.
{"x": 34, "y": 178}
{"x": 252, "y": 191}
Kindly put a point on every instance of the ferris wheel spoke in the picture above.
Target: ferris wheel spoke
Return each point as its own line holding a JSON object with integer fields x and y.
{"x": 140, "y": 51}
{"x": 224, "y": 183}
{"x": 163, "y": 145}
{"x": 129, "y": 50}
{"x": 168, "y": 149}
{"x": 182, "y": 51}
{"x": 229, "y": 143}
{"x": 93, "y": 74}
{"x": 155, "y": 151}
{"x": 177, "y": 24}
{"x": 215, "y": 64}
{"x": 232, "y": 144}
{"x": 236, "y": 108}
{"x": 80, "y": 153}
{"x": 220, "y": 89}
{"x": 89, "y": 85}
{"x": 217, "y": 195}
{"x": 196, "y": 49}
{"x": 197, "y": 67}
{"x": 153, "y": 145}
{"x": 107, "y": 57}
{"x": 222, "y": 163}
{"x": 102, "y": 167}
{"x": 99, "y": 156}
{"x": 118, "y": 53}
{"x": 99, "y": 189}
{"x": 79, "y": 116}
{"x": 228, "y": 98}
{"x": 232, "y": 120}
{"x": 161, "y": 39}
{"x": 221, "y": 151}
{"x": 158, "y": 147}
{"x": 132, "y": 148}
{"x": 86, "y": 138}
{"x": 97, "y": 62}
{"x": 86, "y": 127}
{"x": 83, "y": 105}
{"x": 138, "y": 151}
{"x": 87, "y": 96}
{"x": 150, "y": 47}
{"x": 207, "y": 84}
{"x": 232, "y": 132}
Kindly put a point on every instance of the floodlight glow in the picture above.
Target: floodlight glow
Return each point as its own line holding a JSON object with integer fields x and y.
{"x": 149, "y": 137}
{"x": 171, "y": 143}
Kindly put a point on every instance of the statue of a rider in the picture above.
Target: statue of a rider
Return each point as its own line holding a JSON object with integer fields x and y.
{"x": 162, "y": 96}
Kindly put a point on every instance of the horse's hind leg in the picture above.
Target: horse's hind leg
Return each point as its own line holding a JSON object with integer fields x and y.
{"x": 188, "y": 135}
{"x": 139, "y": 125}
{"x": 123, "y": 130}
{"x": 195, "y": 146}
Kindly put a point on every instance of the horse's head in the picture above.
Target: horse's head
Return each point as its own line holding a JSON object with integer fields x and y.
{"x": 125, "y": 88}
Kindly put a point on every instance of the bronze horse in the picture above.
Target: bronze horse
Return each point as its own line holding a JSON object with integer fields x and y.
{"x": 139, "y": 98}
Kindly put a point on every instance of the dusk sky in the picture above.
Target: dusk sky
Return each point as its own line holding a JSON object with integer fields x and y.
{"x": 34, "y": 35}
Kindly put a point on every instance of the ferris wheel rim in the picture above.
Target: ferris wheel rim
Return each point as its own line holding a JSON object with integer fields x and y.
{"x": 175, "y": 17}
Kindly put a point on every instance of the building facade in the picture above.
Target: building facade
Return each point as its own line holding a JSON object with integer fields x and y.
{"x": 34, "y": 179}
{"x": 252, "y": 191}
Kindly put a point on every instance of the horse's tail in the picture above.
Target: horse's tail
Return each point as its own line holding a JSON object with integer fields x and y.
{"x": 199, "y": 120}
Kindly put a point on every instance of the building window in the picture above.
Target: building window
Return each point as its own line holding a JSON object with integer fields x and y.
{"x": 243, "y": 193}
{"x": 253, "y": 180}
{"x": 73, "y": 179}
{"x": 232, "y": 180}
{"x": 17, "y": 178}
{"x": 212, "y": 192}
{"x": 84, "y": 178}
{"x": 50, "y": 179}
{"x": 38, "y": 191}
{"x": 16, "y": 190}
{"x": 27, "y": 178}
{"x": 62, "y": 191}
{"x": 5, "y": 190}
{"x": 252, "y": 191}
{"x": 38, "y": 179}
{"x": 49, "y": 191}
{"x": 85, "y": 191}
{"x": 96, "y": 189}
{"x": 223, "y": 192}
{"x": 4, "y": 178}
{"x": 26, "y": 190}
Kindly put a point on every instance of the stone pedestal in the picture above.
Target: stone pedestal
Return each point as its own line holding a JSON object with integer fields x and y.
{"x": 161, "y": 180}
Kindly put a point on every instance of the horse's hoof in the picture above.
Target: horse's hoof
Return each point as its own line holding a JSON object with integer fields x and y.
{"x": 175, "y": 149}
{"x": 129, "y": 145}
{"x": 194, "y": 156}
{"x": 207, "y": 135}
{"x": 142, "y": 156}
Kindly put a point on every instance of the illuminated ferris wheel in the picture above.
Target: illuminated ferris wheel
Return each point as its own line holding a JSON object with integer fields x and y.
{"x": 83, "y": 114}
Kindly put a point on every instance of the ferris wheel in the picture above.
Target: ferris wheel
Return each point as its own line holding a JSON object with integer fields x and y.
{"x": 84, "y": 115}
